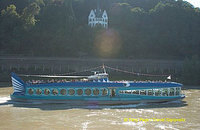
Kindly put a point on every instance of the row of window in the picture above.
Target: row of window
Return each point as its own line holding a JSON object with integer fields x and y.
{"x": 79, "y": 92}
{"x": 154, "y": 92}
{"x": 104, "y": 20}
{"x": 93, "y": 24}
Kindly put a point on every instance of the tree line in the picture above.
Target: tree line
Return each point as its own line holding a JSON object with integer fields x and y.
{"x": 154, "y": 29}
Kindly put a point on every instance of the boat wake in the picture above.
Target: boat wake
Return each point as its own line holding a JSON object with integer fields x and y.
{"x": 4, "y": 100}
{"x": 119, "y": 106}
{"x": 173, "y": 102}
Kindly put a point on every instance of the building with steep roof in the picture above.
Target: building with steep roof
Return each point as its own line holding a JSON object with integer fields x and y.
{"x": 98, "y": 17}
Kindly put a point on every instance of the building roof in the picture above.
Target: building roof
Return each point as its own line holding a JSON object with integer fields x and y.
{"x": 98, "y": 13}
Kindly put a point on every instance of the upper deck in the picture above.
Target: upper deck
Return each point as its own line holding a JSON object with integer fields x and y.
{"x": 116, "y": 84}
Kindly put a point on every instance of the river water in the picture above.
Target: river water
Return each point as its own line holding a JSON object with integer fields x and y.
{"x": 175, "y": 115}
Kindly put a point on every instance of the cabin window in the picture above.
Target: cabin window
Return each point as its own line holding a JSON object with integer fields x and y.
{"x": 63, "y": 91}
{"x": 142, "y": 92}
{"x": 30, "y": 91}
{"x": 46, "y": 91}
{"x": 112, "y": 92}
{"x": 104, "y": 92}
{"x": 71, "y": 92}
{"x": 165, "y": 92}
{"x": 177, "y": 91}
{"x": 55, "y": 91}
{"x": 150, "y": 92}
{"x": 88, "y": 92}
{"x": 128, "y": 91}
{"x": 96, "y": 91}
{"x": 137, "y": 92}
{"x": 38, "y": 91}
{"x": 134, "y": 92}
{"x": 157, "y": 92}
{"x": 79, "y": 91}
{"x": 171, "y": 93}
{"x": 121, "y": 91}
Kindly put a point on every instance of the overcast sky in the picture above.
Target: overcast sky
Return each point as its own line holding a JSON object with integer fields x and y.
{"x": 196, "y": 3}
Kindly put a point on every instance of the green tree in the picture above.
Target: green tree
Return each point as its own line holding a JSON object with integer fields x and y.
{"x": 167, "y": 29}
{"x": 9, "y": 28}
{"x": 28, "y": 15}
{"x": 10, "y": 12}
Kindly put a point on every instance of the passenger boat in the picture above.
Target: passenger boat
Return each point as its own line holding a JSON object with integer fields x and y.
{"x": 94, "y": 90}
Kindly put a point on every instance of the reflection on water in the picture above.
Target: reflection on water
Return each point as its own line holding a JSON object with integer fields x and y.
{"x": 61, "y": 116}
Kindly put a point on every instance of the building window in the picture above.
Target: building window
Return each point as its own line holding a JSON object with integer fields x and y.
{"x": 38, "y": 91}
{"x": 104, "y": 92}
{"x": 55, "y": 91}
{"x": 71, "y": 92}
{"x": 63, "y": 91}
{"x": 88, "y": 92}
{"x": 30, "y": 91}
{"x": 96, "y": 91}
{"x": 46, "y": 91}
{"x": 79, "y": 91}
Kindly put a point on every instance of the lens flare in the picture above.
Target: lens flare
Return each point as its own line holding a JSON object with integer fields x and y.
{"x": 107, "y": 43}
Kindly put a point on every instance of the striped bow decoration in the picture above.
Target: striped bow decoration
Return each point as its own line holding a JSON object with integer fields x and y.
{"x": 17, "y": 83}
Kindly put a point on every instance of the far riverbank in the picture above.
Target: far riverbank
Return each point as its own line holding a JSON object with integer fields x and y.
{"x": 182, "y": 71}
